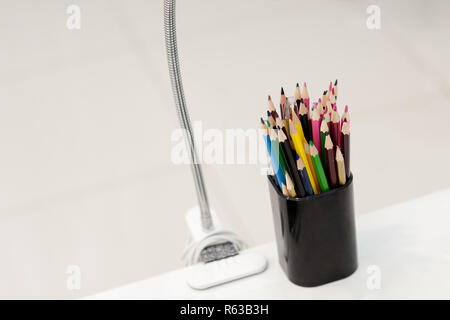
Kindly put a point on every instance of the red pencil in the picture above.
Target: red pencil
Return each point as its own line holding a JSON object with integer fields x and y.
{"x": 331, "y": 166}
{"x": 335, "y": 127}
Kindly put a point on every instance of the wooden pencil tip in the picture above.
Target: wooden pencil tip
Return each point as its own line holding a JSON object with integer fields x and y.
{"x": 335, "y": 83}
{"x": 269, "y": 98}
{"x": 282, "y": 90}
{"x": 297, "y": 85}
{"x": 304, "y": 84}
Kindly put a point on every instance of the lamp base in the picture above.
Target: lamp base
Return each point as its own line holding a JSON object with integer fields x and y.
{"x": 218, "y": 249}
{"x": 207, "y": 275}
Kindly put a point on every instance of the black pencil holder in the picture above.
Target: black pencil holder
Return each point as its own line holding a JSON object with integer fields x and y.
{"x": 316, "y": 236}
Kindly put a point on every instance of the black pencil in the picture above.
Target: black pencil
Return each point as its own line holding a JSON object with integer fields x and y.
{"x": 345, "y": 138}
{"x": 301, "y": 169}
{"x": 291, "y": 165}
{"x": 303, "y": 116}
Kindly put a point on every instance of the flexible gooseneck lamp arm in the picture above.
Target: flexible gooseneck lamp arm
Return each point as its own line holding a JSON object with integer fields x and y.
{"x": 183, "y": 115}
{"x": 210, "y": 242}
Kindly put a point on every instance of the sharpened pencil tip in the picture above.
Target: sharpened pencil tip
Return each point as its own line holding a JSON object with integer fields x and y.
{"x": 335, "y": 83}
{"x": 269, "y": 98}
{"x": 282, "y": 90}
{"x": 297, "y": 85}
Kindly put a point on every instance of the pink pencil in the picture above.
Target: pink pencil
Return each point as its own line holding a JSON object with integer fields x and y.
{"x": 315, "y": 128}
{"x": 333, "y": 100}
{"x": 345, "y": 115}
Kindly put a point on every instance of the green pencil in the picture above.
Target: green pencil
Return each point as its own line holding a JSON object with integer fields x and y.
{"x": 319, "y": 168}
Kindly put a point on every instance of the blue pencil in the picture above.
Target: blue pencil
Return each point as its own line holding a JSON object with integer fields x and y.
{"x": 304, "y": 176}
{"x": 275, "y": 155}
{"x": 281, "y": 179}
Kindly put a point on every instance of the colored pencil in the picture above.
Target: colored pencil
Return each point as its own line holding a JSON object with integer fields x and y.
{"x": 328, "y": 106}
{"x": 305, "y": 96}
{"x": 329, "y": 91}
{"x": 291, "y": 165}
{"x": 299, "y": 127}
{"x": 284, "y": 190}
{"x": 275, "y": 144}
{"x": 315, "y": 126}
{"x": 340, "y": 166}
{"x": 303, "y": 173}
{"x": 311, "y": 165}
{"x": 280, "y": 179}
{"x": 275, "y": 157}
{"x": 290, "y": 186}
{"x": 333, "y": 99}
{"x": 270, "y": 119}
{"x": 301, "y": 152}
{"x": 345, "y": 136}
{"x": 319, "y": 169}
{"x": 323, "y": 102}
{"x": 271, "y": 107}
{"x": 335, "y": 127}
{"x": 345, "y": 117}
{"x": 308, "y": 145}
{"x": 303, "y": 116}
{"x": 330, "y": 159}
{"x": 335, "y": 87}
{"x": 279, "y": 123}
{"x": 266, "y": 134}
{"x": 297, "y": 93}
{"x": 323, "y": 134}
{"x": 282, "y": 102}
{"x": 327, "y": 117}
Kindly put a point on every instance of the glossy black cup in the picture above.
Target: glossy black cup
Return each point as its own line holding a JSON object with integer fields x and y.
{"x": 316, "y": 236}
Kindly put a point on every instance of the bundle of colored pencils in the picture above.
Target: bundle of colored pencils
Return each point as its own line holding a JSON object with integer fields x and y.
{"x": 309, "y": 148}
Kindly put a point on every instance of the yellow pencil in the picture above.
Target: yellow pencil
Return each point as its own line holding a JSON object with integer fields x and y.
{"x": 299, "y": 127}
{"x": 311, "y": 165}
{"x": 297, "y": 140}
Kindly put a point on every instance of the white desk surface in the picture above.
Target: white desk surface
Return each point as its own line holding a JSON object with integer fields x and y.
{"x": 409, "y": 242}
